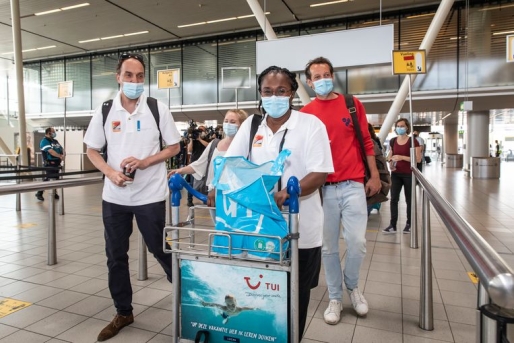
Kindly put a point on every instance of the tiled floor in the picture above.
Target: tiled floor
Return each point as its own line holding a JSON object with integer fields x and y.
{"x": 70, "y": 301}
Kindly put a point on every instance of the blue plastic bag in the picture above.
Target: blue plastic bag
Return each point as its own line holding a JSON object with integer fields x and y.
{"x": 245, "y": 203}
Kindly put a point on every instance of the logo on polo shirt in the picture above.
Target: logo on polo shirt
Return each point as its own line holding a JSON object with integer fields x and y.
{"x": 257, "y": 141}
{"x": 116, "y": 126}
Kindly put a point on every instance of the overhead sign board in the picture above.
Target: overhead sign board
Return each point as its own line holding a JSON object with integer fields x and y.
{"x": 510, "y": 48}
{"x": 169, "y": 78}
{"x": 409, "y": 62}
{"x": 65, "y": 89}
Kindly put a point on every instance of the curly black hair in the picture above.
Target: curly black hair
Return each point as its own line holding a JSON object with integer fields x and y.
{"x": 278, "y": 70}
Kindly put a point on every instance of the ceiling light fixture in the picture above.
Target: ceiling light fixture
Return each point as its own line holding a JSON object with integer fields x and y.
{"x": 420, "y": 15}
{"x": 135, "y": 33}
{"x": 46, "y": 47}
{"x": 495, "y": 7}
{"x": 220, "y": 20}
{"x": 113, "y": 37}
{"x": 329, "y": 3}
{"x": 194, "y": 24}
{"x": 89, "y": 40}
{"x": 62, "y": 9}
{"x": 502, "y": 33}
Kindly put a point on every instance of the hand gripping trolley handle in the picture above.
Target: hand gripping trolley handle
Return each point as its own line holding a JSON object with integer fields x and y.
{"x": 232, "y": 297}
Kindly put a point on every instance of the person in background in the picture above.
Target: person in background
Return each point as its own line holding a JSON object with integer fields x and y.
{"x": 376, "y": 141}
{"x": 310, "y": 161}
{"x": 195, "y": 149}
{"x": 131, "y": 149}
{"x": 421, "y": 142}
{"x": 53, "y": 155}
{"x": 401, "y": 173}
{"x": 198, "y": 169}
{"x": 497, "y": 147}
{"x": 344, "y": 193}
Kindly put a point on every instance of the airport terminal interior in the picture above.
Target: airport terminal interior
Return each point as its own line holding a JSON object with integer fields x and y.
{"x": 203, "y": 58}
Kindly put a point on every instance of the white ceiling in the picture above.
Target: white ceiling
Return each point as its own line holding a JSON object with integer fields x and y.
{"x": 104, "y": 18}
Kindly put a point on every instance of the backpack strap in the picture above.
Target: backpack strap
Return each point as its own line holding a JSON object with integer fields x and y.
{"x": 256, "y": 121}
{"x": 357, "y": 128}
{"x": 152, "y": 104}
{"x": 391, "y": 144}
{"x": 214, "y": 144}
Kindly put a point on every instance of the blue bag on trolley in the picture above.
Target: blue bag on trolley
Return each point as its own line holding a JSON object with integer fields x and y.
{"x": 245, "y": 204}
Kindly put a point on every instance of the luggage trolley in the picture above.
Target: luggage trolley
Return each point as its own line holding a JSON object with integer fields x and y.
{"x": 225, "y": 297}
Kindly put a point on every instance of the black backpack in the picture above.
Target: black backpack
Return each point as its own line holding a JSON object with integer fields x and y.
{"x": 385, "y": 176}
{"x": 152, "y": 104}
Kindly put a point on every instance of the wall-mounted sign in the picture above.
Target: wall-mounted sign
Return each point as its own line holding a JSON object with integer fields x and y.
{"x": 169, "y": 78}
{"x": 409, "y": 62}
{"x": 65, "y": 89}
{"x": 510, "y": 48}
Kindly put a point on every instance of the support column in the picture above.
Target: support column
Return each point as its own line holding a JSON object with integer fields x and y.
{"x": 451, "y": 138}
{"x": 477, "y": 138}
{"x": 18, "y": 61}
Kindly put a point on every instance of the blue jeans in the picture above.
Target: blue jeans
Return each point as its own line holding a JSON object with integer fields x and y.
{"x": 344, "y": 203}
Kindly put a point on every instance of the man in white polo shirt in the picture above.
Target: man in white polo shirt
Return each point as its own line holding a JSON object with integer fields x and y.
{"x": 310, "y": 161}
{"x": 133, "y": 145}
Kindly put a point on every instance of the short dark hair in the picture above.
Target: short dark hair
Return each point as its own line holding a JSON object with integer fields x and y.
{"x": 406, "y": 121}
{"x": 48, "y": 130}
{"x": 277, "y": 70}
{"x": 125, "y": 56}
{"x": 317, "y": 60}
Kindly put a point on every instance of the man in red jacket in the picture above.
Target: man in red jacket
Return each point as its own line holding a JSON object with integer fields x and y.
{"x": 344, "y": 193}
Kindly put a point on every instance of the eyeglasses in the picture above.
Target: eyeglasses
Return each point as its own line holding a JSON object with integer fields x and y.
{"x": 125, "y": 56}
{"x": 266, "y": 92}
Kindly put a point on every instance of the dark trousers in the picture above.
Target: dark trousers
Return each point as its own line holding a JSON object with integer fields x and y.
{"x": 397, "y": 182}
{"x": 117, "y": 219}
{"x": 53, "y": 173}
{"x": 420, "y": 166}
{"x": 190, "y": 179}
{"x": 309, "y": 265}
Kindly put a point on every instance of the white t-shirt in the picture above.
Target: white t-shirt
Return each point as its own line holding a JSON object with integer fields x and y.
{"x": 133, "y": 134}
{"x": 200, "y": 165}
{"x": 307, "y": 140}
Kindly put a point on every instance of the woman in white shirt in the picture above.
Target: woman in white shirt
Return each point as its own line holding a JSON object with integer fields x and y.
{"x": 233, "y": 120}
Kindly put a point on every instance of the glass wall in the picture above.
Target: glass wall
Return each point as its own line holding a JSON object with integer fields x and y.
{"x": 51, "y": 73}
{"x": 200, "y": 66}
{"x": 78, "y": 70}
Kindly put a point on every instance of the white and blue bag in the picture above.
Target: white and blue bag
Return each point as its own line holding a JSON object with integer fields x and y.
{"x": 245, "y": 204}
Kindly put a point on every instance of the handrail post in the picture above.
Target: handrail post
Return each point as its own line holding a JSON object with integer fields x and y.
{"x": 414, "y": 203}
{"x": 61, "y": 208}
{"x": 143, "y": 265}
{"x": 486, "y": 327}
{"x": 52, "y": 249}
{"x": 426, "y": 305}
{"x": 18, "y": 195}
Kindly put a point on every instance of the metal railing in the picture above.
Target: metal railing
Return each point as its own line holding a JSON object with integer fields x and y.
{"x": 496, "y": 278}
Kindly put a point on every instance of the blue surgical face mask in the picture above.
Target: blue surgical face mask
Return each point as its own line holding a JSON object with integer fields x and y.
{"x": 133, "y": 90}
{"x": 230, "y": 129}
{"x": 54, "y": 134}
{"x": 323, "y": 87}
{"x": 401, "y": 131}
{"x": 276, "y": 106}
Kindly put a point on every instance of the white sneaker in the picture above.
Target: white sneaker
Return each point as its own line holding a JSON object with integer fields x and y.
{"x": 359, "y": 303}
{"x": 333, "y": 312}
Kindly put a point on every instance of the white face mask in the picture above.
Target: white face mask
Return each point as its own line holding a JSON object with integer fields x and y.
{"x": 230, "y": 129}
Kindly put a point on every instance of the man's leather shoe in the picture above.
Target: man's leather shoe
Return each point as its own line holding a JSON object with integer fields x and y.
{"x": 40, "y": 197}
{"x": 118, "y": 323}
{"x": 56, "y": 196}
